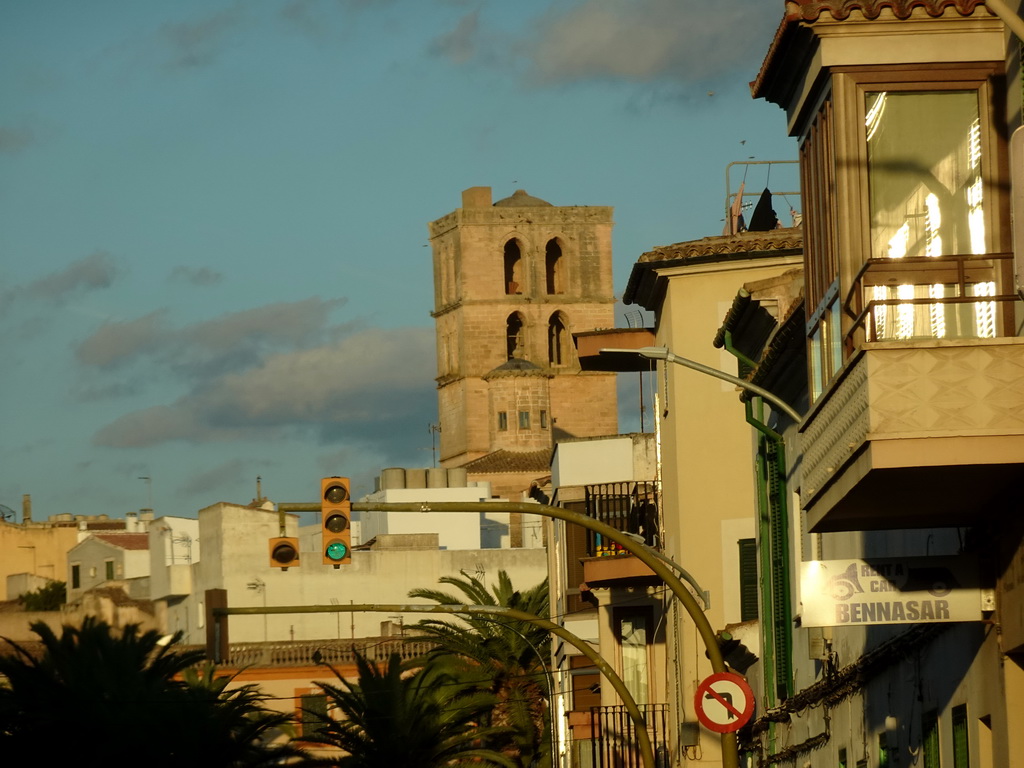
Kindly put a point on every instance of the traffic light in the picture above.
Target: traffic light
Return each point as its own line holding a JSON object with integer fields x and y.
{"x": 284, "y": 552}
{"x": 335, "y": 521}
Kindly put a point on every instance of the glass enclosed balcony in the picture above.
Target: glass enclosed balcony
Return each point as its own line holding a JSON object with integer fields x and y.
{"x": 924, "y": 424}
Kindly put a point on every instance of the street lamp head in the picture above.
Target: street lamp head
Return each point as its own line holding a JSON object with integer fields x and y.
{"x": 654, "y": 353}
{"x": 651, "y": 353}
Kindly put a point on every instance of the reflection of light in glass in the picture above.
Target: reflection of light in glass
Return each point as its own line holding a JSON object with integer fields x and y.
{"x": 976, "y": 217}
{"x": 985, "y": 311}
{"x": 874, "y": 115}
{"x": 932, "y": 224}
{"x": 938, "y": 310}
{"x": 878, "y": 293}
{"x": 899, "y": 242}
{"x": 904, "y": 313}
{"x": 974, "y": 145}
{"x": 975, "y": 212}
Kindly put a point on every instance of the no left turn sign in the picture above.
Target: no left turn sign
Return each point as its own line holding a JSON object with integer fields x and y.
{"x": 724, "y": 702}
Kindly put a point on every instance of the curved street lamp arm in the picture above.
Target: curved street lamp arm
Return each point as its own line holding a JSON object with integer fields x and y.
{"x": 662, "y": 353}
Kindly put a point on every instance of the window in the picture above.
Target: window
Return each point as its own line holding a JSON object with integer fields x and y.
{"x": 842, "y": 758}
{"x": 76, "y": 576}
{"x": 543, "y": 419}
{"x": 748, "y": 579}
{"x": 918, "y": 248}
{"x": 961, "y": 743}
{"x": 558, "y": 340}
{"x": 515, "y": 337}
{"x": 926, "y": 200}
{"x": 502, "y": 421}
{"x": 553, "y": 268}
{"x": 633, "y": 627}
{"x": 924, "y": 173}
{"x": 109, "y": 570}
{"x": 513, "y": 268}
{"x": 817, "y": 171}
{"x": 312, "y": 711}
{"x": 524, "y": 419}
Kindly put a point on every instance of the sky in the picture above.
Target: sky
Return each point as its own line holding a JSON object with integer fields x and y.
{"x": 214, "y": 260}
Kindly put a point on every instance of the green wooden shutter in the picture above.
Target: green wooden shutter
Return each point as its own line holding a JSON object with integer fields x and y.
{"x": 961, "y": 746}
{"x": 930, "y": 740}
{"x": 748, "y": 579}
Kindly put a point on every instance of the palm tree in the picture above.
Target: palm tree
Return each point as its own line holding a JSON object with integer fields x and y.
{"x": 508, "y": 657}
{"x": 421, "y": 720}
{"x": 130, "y": 698}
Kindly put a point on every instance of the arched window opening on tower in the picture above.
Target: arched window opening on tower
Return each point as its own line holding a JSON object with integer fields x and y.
{"x": 513, "y": 268}
{"x": 515, "y": 336}
{"x": 558, "y": 340}
{"x": 553, "y": 267}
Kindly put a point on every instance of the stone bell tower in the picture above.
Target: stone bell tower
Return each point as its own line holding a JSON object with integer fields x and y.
{"x": 513, "y": 280}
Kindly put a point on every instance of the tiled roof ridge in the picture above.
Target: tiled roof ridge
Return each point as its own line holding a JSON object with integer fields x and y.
{"x": 124, "y": 540}
{"x": 745, "y": 242}
{"x": 840, "y": 10}
{"x": 505, "y": 460}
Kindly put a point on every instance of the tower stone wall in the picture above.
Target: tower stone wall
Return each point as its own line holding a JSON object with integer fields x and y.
{"x": 513, "y": 280}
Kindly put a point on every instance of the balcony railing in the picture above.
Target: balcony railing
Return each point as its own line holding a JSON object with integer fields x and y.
{"x": 614, "y": 744}
{"x": 629, "y": 507}
{"x": 940, "y": 297}
{"x": 336, "y": 653}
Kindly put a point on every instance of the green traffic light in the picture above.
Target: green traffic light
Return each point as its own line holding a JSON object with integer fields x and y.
{"x": 337, "y": 550}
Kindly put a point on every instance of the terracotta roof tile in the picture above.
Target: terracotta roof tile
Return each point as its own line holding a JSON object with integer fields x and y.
{"x": 511, "y": 461}
{"x": 811, "y": 10}
{"x": 134, "y": 541}
{"x": 804, "y": 11}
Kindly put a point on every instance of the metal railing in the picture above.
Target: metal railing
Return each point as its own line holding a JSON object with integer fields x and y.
{"x": 333, "y": 652}
{"x": 961, "y": 272}
{"x": 628, "y": 507}
{"x": 613, "y": 743}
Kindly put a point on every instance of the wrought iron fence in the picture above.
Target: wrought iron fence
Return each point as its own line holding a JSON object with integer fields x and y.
{"x": 629, "y": 507}
{"x": 613, "y": 743}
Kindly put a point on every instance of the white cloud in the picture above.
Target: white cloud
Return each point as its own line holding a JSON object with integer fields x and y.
{"x": 233, "y": 341}
{"x": 683, "y": 42}
{"x": 365, "y": 385}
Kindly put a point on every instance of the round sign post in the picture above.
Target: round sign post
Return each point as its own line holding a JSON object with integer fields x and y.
{"x": 724, "y": 702}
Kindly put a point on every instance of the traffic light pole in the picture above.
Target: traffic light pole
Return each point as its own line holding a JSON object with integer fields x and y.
{"x": 730, "y": 751}
{"x": 639, "y": 724}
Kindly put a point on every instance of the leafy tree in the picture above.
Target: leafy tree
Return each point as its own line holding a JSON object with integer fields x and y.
{"x": 129, "y": 698}
{"x": 420, "y": 720}
{"x": 49, "y": 597}
{"x": 509, "y": 657}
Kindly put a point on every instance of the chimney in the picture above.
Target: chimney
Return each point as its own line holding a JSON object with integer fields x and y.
{"x": 26, "y": 508}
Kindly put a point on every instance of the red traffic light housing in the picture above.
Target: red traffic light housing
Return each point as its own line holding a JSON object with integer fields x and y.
{"x": 335, "y": 520}
{"x": 284, "y": 552}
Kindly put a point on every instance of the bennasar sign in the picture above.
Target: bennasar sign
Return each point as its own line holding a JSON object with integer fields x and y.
{"x": 909, "y": 590}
